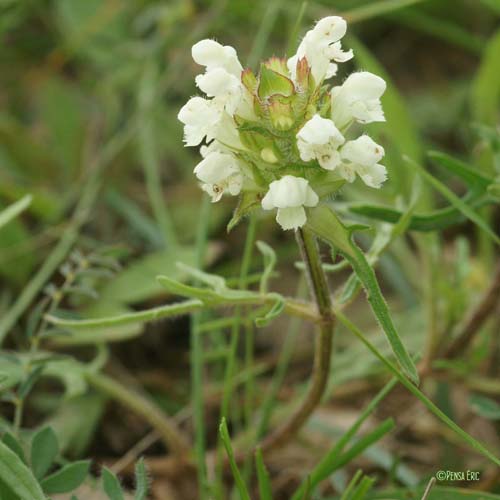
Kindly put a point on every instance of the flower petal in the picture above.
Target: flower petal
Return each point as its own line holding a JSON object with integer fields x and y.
{"x": 291, "y": 218}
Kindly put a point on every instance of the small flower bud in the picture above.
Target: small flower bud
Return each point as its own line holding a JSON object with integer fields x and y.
{"x": 267, "y": 154}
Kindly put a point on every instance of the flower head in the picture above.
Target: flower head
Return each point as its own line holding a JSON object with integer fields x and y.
{"x": 281, "y": 136}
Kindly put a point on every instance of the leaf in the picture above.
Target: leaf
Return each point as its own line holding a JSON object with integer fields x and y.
{"x": 374, "y": 9}
{"x": 332, "y": 461}
{"x": 455, "y": 201}
{"x": 469, "y": 175}
{"x": 141, "y": 481}
{"x": 111, "y": 485}
{"x": 155, "y": 313}
{"x": 437, "y": 493}
{"x": 62, "y": 112}
{"x": 432, "y": 221}
{"x": 265, "y": 490}
{"x": 274, "y": 311}
{"x": 226, "y": 440}
{"x": 44, "y": 449}
{"x": 12, "y": 442}
{"x": 485, "y": 97}
{"x": 325, "y": 224}
{"x": 67, "y": 478}
{"x": 247, "y": 201}
{"x": 12, "y": 211}
{"x": 17, "y": 477}
{"x": 269, "y": 264}
{"x": 473, "y": 443}
{"x": 485, "y": 407}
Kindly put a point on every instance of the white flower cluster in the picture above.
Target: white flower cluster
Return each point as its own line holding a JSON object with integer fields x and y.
{"x": 316, "y": 137}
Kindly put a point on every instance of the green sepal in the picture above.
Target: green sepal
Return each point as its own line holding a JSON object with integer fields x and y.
{"x": 271, "y": 83}
{"x": 246, "y": 203}
{"x": 277, "y": 64}
{"x": 249, "y": 80}
{"x": 325, "y": 224}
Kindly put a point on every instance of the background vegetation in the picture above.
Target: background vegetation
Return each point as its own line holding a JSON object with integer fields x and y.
{"x": 89, "y": 93}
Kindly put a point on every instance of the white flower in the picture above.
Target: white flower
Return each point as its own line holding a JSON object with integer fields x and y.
{"x": 361, "y": 157}
{"x": 290, "y": 195}
{"x": 200, "y": 117}
{"x": 358, "y": 98}
{"x": 219, "y": 172}
{"x": 212, "y": 54}
{"x": 320, "y": 139}
{"x": 225, "y": 87}
{"x": 320, "y": 46}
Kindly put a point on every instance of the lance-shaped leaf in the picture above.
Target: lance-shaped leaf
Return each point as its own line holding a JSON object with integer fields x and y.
{"x": 12, "y": 211}
{"x": 17, "y": 477}
{"x": 456, "y": 201}
{"x": 325, "y": 224}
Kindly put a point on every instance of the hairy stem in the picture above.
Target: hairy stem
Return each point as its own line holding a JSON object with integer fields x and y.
{"x": 323, "y": 343}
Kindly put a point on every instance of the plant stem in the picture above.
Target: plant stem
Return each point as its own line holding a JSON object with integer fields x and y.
{"x": 323, "y": 343}
{"x": 197, "y": 363}
{"x": 174, "y": 439}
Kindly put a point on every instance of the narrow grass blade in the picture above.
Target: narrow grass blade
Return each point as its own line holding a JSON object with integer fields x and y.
{"x": 374, "y": 9}
{"x": 12, "y": 211}
{"x": 472, "y": 177}
{"x": 332, "y": 461}
{"x": 265, "y": 490}
{"x": 226, "y": 440}
{"x": 455, "y": 200}
{"x": 473, "y": 443}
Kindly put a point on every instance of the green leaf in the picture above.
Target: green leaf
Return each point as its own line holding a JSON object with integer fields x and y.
{"x": 325, "y": 224}
{"x": 141, "y": 481}
{"x": 12, "y": 442}
{"x": 111, "y": 485}
{"x": 485, "y": 98}
{"x": 238, "y": 479}
{"x": 485, "y": 407}
{"x": 432, "y": 221}
{"x": 269, "y": 264}
{"x": 332, "y": 461}
{"x": 17, "y": 477}
{"x": 274, "y": 311}
{"x": 265, "y": 490}
{"x": 437, "y": 493}
{"x": 469, "y": 175}
{"x": 247, "y": 201}
{"x": 374, "y": 9}
{"x": 455, "y": 201}
{"x": 155, "y": 313}
{"x": 473, "y": 443}
{"x": 44, "y": 449}
{"x": 12, "y": 211}
{"x": 66, "y": 479}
